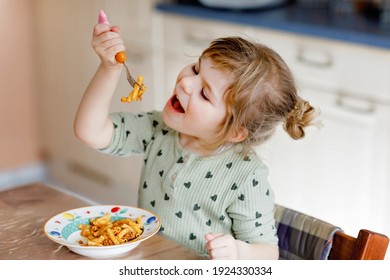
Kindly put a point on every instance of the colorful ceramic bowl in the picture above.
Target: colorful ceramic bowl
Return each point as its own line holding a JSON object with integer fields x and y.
{"x": 63, "y": 229}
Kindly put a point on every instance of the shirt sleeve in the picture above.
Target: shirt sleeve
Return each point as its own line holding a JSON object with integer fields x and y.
{"x": 253, "y": 221}
{"x": 132, "y": 132}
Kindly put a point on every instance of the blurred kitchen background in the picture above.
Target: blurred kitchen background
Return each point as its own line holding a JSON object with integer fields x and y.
{"x": 339, "y": 52}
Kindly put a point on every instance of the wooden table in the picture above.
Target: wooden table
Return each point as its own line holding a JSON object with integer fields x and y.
{"x": 24, "y": 211}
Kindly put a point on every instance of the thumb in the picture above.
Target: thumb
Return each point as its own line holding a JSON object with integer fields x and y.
{"x": 115, "y": 28}
{"x": 211, "y": 235}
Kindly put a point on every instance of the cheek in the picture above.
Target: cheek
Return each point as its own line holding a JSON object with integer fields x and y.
{"x": 221, "y": 111}
{"x": 211, "y": 115}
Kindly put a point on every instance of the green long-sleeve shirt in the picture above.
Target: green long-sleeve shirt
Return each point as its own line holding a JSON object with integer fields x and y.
{"x": 194, "y": 195}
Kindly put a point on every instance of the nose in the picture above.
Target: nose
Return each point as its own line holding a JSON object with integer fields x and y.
{"x": 186, "y": 85}
{"x": 190, "y": 84}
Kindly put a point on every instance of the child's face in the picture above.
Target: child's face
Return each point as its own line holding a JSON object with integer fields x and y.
{"x": 197, "y": 107}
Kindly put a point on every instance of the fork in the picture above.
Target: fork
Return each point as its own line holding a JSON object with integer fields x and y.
{"x": 121, "y": 58}
{"x": 130, "y": 78}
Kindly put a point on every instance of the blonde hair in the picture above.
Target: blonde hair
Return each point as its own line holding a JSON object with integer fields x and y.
{"x": 262, "y": 95}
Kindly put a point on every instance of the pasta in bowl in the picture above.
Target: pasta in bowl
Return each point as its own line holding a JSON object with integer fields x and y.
{"x": 102, "y": 231}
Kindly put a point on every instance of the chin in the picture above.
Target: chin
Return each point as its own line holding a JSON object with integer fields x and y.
{"x": 167, "y": 118}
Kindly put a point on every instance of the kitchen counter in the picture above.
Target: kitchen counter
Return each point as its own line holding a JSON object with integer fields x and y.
{"x": 321, "y": 23}
{"x": 24, "y": 211}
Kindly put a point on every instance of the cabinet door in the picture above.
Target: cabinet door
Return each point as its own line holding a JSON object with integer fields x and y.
{"x": 190, "y": 36}
{"x": 331, "y": 172}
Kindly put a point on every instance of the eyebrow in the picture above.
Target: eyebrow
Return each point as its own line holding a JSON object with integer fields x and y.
{"x": 211, "y": 91}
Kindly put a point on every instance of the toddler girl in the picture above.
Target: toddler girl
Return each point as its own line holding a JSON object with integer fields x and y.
{"x": 201, "y": 175}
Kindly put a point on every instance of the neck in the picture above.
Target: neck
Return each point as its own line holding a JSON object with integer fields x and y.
{"x": 194, "y": 144}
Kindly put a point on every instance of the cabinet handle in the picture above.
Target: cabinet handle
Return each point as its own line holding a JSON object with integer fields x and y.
{"x": 356, "y": 105}
{"x": 316, "y": 58}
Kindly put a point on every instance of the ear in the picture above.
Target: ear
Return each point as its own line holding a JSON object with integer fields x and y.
{"x": 238, "y": 135}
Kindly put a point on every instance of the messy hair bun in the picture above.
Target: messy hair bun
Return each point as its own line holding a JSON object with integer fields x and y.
{"x": 301, "y": 116}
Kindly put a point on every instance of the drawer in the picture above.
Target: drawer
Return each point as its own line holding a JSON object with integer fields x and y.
{"x": 347, "y": 69}
{"x": 363, "y": 71}
{"x": 188, "y": 37}
{"x": 334, "y": 66}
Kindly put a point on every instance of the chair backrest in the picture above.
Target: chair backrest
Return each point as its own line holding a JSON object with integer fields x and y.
{"x": 368, "y": 245}
{"x": 303, "y": 237}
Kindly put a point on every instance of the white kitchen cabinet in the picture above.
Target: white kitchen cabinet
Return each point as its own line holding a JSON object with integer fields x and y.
{"x": 333, "y": 66}
{"x": 66, "y": 65}
{"x": 338, "y": 172}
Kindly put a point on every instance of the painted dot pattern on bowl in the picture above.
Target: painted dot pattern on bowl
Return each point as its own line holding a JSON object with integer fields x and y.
{"x": 60, "y": 227}
{"x": 73, "y": 227}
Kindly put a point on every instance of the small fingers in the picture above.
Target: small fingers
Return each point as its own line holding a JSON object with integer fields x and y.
{"x": 219, "y": 240}
{"x": 100, "y": 29}
{"x": 116, "y": 43}
{"x": 115, "y": 29}
{"x": 219, "y": 254}
{"x": 103, "y": 27}
{"x": 107, "y": 42}
{"x": 211, "y": 236}
{"x": 221, "y": 246}
{"x": 103, "y": 37}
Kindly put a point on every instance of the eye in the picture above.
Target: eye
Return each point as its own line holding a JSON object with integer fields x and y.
{"x": 204, "y": 96}
{"x": 196, "y": 72}
{"x": 194, "y": 69}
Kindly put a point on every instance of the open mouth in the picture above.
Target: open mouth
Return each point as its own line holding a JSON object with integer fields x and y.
{"x": 176, "y": 104}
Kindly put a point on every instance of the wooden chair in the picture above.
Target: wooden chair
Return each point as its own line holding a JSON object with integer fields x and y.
{"x": 303, "y": 237}
{"x": 368, "y": 245}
